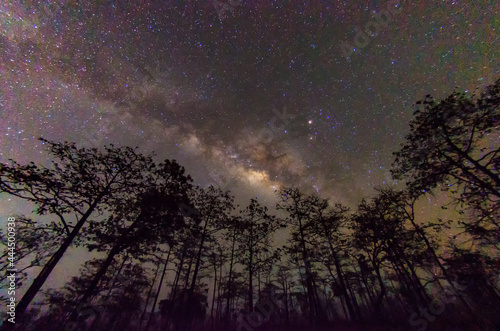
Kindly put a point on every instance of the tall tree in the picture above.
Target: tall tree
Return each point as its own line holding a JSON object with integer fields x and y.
{"x": 120, "y": 293}
{"x": 379, "y": 230}
{"x": 454, "y": 143}
{"x": 403, "y": 202}
{"x": 147, "y": 221}
{"x": 82, "y": 182}
{"x": 231, "y": 236}
{"x": 300, "y": 209}
{"x": 478, "y": 276}
{"x": 256, "y": 227}
{"x": 213, "y": 208}
{"x": 325, "y": 227}
{"x": 35, "y": 243}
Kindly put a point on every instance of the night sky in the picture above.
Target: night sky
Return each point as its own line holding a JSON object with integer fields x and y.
{"x": 250, "y": 96}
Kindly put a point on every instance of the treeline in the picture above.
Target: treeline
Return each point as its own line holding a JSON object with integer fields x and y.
{"x": 176, "y": 256}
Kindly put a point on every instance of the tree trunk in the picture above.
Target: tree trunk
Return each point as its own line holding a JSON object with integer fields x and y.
{"x": 219, "y": 292}
{"x": 93, "y": 285}
{"x": 198, "y": 259}
{"x": 119, "y": 246}
{"x": 178, "y": 273}
{"x": 354, "y": 300}
{"x": 250, "y": 280}
{"x": 229, "y": 282}
{"x": 431, "y": 250}
{"x": 287, "y": 311}
{"x": 148, "y": 325}
{"x": 340, "y": 276}
{"x": 99, "y": 314}
{"x": 190, "y": 296}
{"x": 213, "y": 296}
{"x": 54, "y": 260}
{"x": 313, "y": 307}
{"x": 147, "y": 299}
{"x": 188, "y": 272}
{"x": 383, "y": 290}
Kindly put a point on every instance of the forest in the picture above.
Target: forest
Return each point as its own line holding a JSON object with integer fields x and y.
{"x": 168, "y": 254}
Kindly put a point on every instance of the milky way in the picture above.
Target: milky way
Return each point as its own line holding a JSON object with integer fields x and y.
{"x": 249, "y": 95}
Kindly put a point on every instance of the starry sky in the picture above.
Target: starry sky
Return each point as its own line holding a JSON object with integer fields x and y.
{"x": 248, "y": 95}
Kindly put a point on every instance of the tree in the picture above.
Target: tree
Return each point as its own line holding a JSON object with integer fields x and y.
{"x": 255, "y": 228}
{"x": 325, "y": 226}
{"x": 213, "y": 207}
{"x": 140, "y": 226}
{"x": 196, "y": 302}
{"x": 217, "y": 258}
{"x": 477, "y": 274}
{"x": 454, "y": 143}
{"x": 403, "y": 202}
{"x": 34, "y": 245}
{"x": 232, "y": 236}
{"x": 301, "y": 210}
{"x": 379, "y": 231}
{"x": 82, "y": 183}
{"x": 120, "y": 293}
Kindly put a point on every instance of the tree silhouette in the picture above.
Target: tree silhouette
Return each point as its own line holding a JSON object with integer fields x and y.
{"x": 380, "y": 232}
{"x": 254, "y": 243}
{"x": 476, "y": 275}
{"x": 325, "y": 228}
{"x": 140, "y": 227}
{"x": 213, "y": 207}
{"x": 375, "y": 267}
{"x": 35, "y": 243}
{"x": 232, "y": 236}
{"x": 454, "y": 143}
{"x": 404, "y": 203}
{"x": 301, "y": 210}
{"x": 82, "y": 182}
{"x": 120, "y": 293}
{"x": 196, "y": 302}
